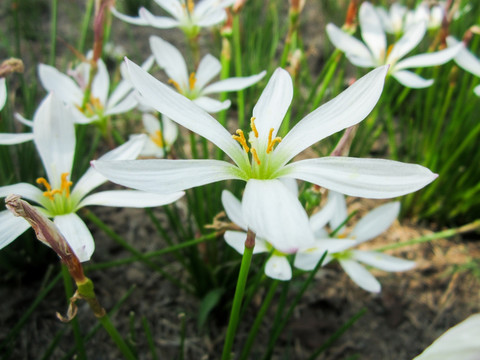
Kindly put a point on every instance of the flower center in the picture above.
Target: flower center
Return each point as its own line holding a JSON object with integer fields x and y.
{"x": 188, "y": 6}
{"x": 187, "y": 92}
{"x": 60, "y": 201}
{"x": 157, "y": 138}
{"x": 259, "y": 156}
{"x": 93, "y": 107}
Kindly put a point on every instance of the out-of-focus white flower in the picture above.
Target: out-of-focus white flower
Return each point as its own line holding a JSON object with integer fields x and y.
{"x": 185, "y": 15}
{"x": 100, "y": 104}
{"x": 195, "y": 86}
{"x": 54, "y": 137}
{"x": 17, "y": 138}
{"x": 466, "y": 60}
{"x": 393, "y": 19}
{"x": 375, "y": 52}
{"x": 459, "y": 342}
{"x": 267, "y": 203}
{"x": 369, "y": 227}
{"x": 161, "y": 135}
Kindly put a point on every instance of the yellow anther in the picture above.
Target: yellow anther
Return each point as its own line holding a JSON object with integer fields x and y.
{"x": 254, "y": 128}
{"x": 65, "y": 186}
{"x": 389, "y": 50}
{"x": 174, "y": 83}
{"x": 157, "y": 138}
{"x": 271, "y": 143}
{"x": 240, "y": 137}
{"x": 192, "y": 80}
{"x": 44, "y": 182}
{"x": 190, "y": 6}
{"x": 255, "y": 156}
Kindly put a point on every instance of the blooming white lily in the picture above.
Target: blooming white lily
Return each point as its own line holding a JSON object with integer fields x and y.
{"x": 267, "y": 203}
{"x": 161, "y": 136}
{"x": 459, "y": 342}
{"x": 71, "y": 90}
{"x": 54, "y": 137}
{"x": 194, "y": 86}
{"x": 369, "y": 227}
{"x": 374, "y": 52}
{"x": 186, "y": 15}
{"x": 466, "y": 60}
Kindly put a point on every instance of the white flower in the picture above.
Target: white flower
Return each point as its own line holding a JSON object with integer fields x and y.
{"x": 54, "y": 137}
{"x": 466, "y": 60}
{"x": 267, "y": 203}
{"x": 185, "y": 15}
{"x": 71, "y": 90}
{"x": 374, "y": 52}
{"x": 393, "y": 20}
{"x": 161, "y": 136}
{"x": 195, "y": 86}
{"x": 459, "y": 342}
{"x": 369, "y": 227}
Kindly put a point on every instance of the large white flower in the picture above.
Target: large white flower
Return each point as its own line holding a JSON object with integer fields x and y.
{"x": 375, "y": 52}
{"x": 100, "y": 104}
{"x": 195, "y": 86}
{"x": 185, "y": 15}
{"x": 264, "y": 158}
{"x": 369, "y": 227}
{"x": 54, "y": 137}
{"x": 466, "y": 60}
{"x": 459, "y": 342}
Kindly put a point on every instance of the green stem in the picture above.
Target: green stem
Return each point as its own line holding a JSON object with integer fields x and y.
{"x": 116, "y": 337}
{"x": 67, "y": 282}
{"x": 258, "y": 320}
{"x": 239, "y": 291}
{"x": 85, "y": 25}
{"x": 53, "y": 33}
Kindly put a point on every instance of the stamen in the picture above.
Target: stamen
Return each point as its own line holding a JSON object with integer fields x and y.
{"x": 190, "y": 5}
{"x": 157, "y": 138}
{"x": 254, "y": 128}
{"x": 240, "y": 137}
{"x": 271, "y": 143}
{"x": 389, "y": 50}
{"x": 255, "y": 156}
{"x": 65, "y": 186}
{"x": 192, "y": 80}
{"x": 44, "y": 182}
{"x": 174, "y": 83}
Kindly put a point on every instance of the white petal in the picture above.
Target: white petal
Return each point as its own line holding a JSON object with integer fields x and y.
{"x": 184, "y": 112}
{"x": 276, "y": 215}
{"x": 173, "y": 7}
{"x": 125, "y": 105}
{"x": 92, "y": 178}
{"x": 372, "y": 31}
{"x": 465, "y": 59}
{"x": 54, "y": 137}
{"x": 361, "y": 61}
{"x": 360, "y": 276}
{"x": 321, "y": 218}
{"x": 77, "y": 235}
{"x": 345, "y": 110}
{"x": 171, "y": 60}
{"x": 375, "y": 222}
{"x": 430, "y": 59}
{"x": 383, "y": 261}
{"x": 370, "y": 178}
{"x": 278, "y": 267}
{"x": 476, "y": 90}
{"x": 11, "y": 139}
{"x": 23, "y": 120}
{"x": 129, "y": 19}
{"x": 233, "y": 208}
{"x": 459, "y": 342}
{"x": 101, "y": 83}
{"x": 233, "y": 84}
{"x": 341, "y": 213}
{"x": 411, "y": 80}
{"x": 27, "y": 191}
{"x": 407, "y": 42}
{"x": 170, "y": 130}
{"x": 160, "y": 22}
{"x": 62, "y": 85}
{"x": 347, "y": 43}
{"x": 212, "y": 18}
{"x": 3, "y": 93}
{"x": 236, "y": 239}
{"x": 130, "y": 198}
{"x": 208, "y": 68}
{"x": 291, "y": 185}
{"x": 273, "y": 103}
{"x": 165, "y": 176}
{"x": 211, "y": 105}
{"x": 11, "y": 227}
{"x": 151, "y": 123}
{"x": 307, "y": 258}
